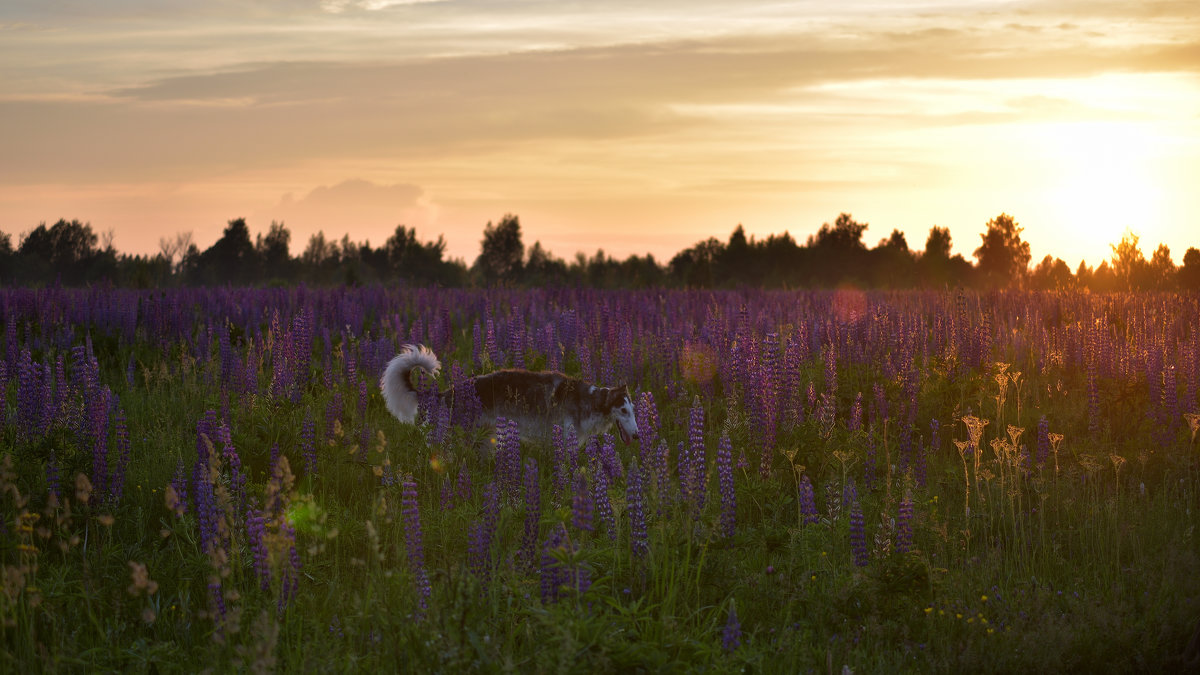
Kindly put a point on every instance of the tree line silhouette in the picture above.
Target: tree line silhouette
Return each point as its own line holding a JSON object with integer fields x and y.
{"x": 71, "y": 253}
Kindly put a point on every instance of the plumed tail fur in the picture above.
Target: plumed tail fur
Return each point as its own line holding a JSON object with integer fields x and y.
{"x": 397, "y": 391}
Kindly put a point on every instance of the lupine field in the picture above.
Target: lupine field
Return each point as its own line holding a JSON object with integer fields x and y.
{"x": 825, "y": 480}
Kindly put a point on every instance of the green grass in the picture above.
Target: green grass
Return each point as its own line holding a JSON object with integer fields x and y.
{"x": 1080, "y": 570}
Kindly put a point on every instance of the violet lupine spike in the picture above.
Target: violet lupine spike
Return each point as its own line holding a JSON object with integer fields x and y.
{"x": 237, "y": 479}
{"x": 849, "y": 492}
{"x": 256, "y": 533}
{"x": 291, "y": 575}
{"x": 479, "y": 552}
{"x": 808, "y": 502}
{"x": 413, "y": 541}
{"x": 508, "y": 456}
{"x": 551, "y": 573}
{"x": 533, "y": 512}
{"x": 582, "y": 506}
{"x": 647, "y": 421}
{"x": 904, "y": 532}
{"x": 731, "y": 634}
{"x": 1170, "y": 400}
{"x": 856, "y": 413}
{"x": 493, "y": 352}
{"x": 561, "y": 474}
{"x": 663, "y": 476}
{"x": 698, "y": 471}
{"x": 603, "y": 506}
{"x": 180, "y": 483}
{"x": 608, "y": 457}
{"x": 308, "y": 444}
{"x": 880, "y": 409}
{"x": 635, "y": 502}
{"x": 97, "y": 405}
{"x": 858, "y": 535}
{"x": 725, "y": 478}
{"x": 462, "y": 485}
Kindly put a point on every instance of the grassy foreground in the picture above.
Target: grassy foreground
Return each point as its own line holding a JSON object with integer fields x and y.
{"x": 902, "y": 482}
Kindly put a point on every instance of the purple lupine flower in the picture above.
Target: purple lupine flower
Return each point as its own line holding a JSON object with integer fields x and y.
{"x": 493, "y": 352}
{"x": 582, "y": 505}
{"x": 291, "y": 574}
{"x": 446, "y": 495}
{"x": 904, "y": 532}
{"x": 508, "y": 455}
{"x": 98, "y": 404}
{"x": 479, "y": 550}
{"x": 516, "y": 343}
{"x": 635, "y": 503}
{"x": 533, "y": 512}
{"x": 698, "y": 458}
{"x": 552, "y": 574}
{"x": 731, "y": 635}
{"x": 662, "y": 475}
{"x": 216, "y": 602}
{"x": 413, "y": 541}
{"x": 831, "y": 374}
{"x": 465, "y": 404}
{"x": 602, "y": 503}
{"x": 858, "y": 534}
{"x": 880, "y": 408}
{"x": 856, "y": 411}
{"x": 1093, "y": 388}
{"x": 308, "y": 444}
{"x": 462, "y": 485}
{"x": 256, "y": 532}
{"x": 1170, "y": 399}
{"x": 179, "y": 483}
{"x": 608, "y": 457}
{"x": 725, "y": 478}
{"x": 237, "y": 479}
{"x": 476, "y": 344}
{"x": 849, "y": 492}
{"x": 808, "y": 501}
{"x": 440, "y": 428}
{"x": 561, "y": 474}
{"x": 647, "y": 421}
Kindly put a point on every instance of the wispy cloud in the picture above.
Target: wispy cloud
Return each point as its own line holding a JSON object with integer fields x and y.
{"x": 563, "y": 109}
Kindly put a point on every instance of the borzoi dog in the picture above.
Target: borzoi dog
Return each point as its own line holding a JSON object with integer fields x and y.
{"x": 536, "y": 400}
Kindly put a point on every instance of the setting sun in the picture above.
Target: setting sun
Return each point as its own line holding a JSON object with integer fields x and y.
{"x": 1105, "y": 179}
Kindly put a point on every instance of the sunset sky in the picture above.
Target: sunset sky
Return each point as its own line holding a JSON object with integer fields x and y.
{"x": 629, "y": 126}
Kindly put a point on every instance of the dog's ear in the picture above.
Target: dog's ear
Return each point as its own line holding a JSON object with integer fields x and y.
{"x": 615, "y": 396}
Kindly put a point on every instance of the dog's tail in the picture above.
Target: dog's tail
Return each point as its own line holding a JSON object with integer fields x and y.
{"x": 397, "y": 391}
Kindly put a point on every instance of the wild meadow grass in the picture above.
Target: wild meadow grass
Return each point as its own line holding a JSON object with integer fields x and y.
{"x": 879, "y": 482}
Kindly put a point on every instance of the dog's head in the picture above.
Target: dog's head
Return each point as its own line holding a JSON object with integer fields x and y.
{"x": 620, "y": 408}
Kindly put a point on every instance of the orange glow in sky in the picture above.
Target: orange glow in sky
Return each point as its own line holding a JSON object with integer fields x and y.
{"x": 615, "y": 125}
